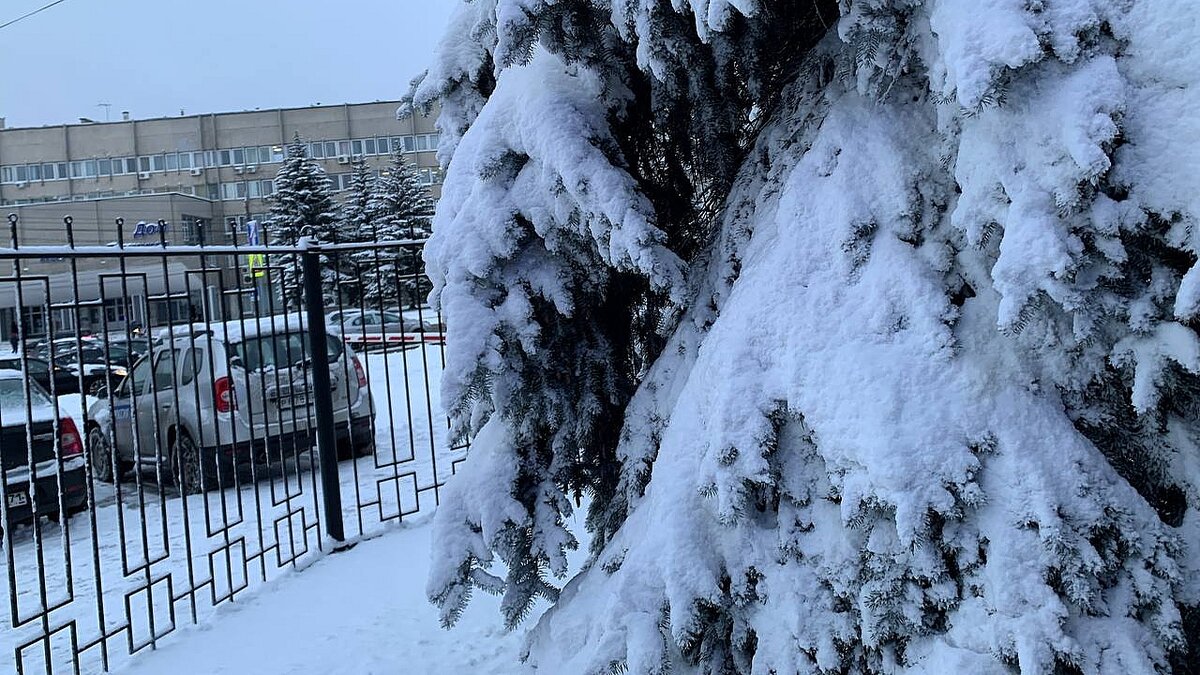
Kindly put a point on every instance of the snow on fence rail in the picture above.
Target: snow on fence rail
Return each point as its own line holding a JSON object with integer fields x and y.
{"x": 204, "y": 462}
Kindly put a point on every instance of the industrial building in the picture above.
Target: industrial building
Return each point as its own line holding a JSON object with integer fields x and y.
{"x": 204, "y": 175}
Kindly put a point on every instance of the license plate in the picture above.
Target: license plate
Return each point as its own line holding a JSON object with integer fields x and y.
{"x": 297, "y": 395}
{"x": 16, "y": 499}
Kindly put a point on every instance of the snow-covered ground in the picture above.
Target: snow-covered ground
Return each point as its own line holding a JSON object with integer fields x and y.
{"x": 359, "y": 612}
{"x": 273, "y": 527}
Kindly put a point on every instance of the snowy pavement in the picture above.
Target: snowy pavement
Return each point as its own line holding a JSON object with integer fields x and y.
{"x": 179, "y": 557}
{"x": 360, "y": 612}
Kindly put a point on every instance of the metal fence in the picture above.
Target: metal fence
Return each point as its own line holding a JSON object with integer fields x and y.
{"x": 206, "y": 419}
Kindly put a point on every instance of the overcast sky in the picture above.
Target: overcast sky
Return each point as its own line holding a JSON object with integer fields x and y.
{"x": 154, "y": 57}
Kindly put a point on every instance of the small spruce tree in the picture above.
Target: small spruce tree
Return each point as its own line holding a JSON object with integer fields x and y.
{"x": 355, "y": 219}
{"x": 301, "y": 206}
{"x": 401, "y": 208}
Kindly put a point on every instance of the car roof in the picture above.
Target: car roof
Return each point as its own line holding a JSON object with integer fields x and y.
{"x": 237, "y": 330}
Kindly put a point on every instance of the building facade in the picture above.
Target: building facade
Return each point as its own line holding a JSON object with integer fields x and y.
{"x": 228, "y": 158}
{"x": 110, "y": 293}
{"x": 204, "y": 175}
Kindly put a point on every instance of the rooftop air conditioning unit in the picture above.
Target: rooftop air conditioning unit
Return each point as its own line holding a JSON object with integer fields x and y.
{"x": 197, "y": 171}
{"x": 143, "y": 175}
{"x": 238, "y": 170}
{"x": 344, "y": 159}
{"x": 251, "y": 169}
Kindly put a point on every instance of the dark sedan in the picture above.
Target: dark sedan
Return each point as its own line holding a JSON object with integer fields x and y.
{"x": 60, "y": 381}
{"x": 43, "y": 461}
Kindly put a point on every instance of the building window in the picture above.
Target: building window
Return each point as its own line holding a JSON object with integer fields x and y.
{"x": 343, "y": 148}
{"x": 410, "y": 144}
{"x": 106, "y": 167}
{"x": 144, "y": 164}
{"x": 383, "y": 146}
{"x": 131, "y": 165}
{"x": 191, "y": 230}
{"x": 115, "y": 309}
{"x": 369, "y": 146}
{"x": 214, "y": 191}
{"x": 239, "y": 156}
{"x": 6, "y": 174}
{"x": 264, "y": 154}
{"x": 62, "y": 171}
{"x": 277, "y": 153}
{"x": 356, "y": 147}
{"x": 48, "y": 172}
{"x": 318, "y": 151}
{"x": 34, "y": 172}
{"x": 158, "y": 163}
{"x": 185, "y": 160}
{"x": 226, "y": 157}
{"x": 172, "y": 162}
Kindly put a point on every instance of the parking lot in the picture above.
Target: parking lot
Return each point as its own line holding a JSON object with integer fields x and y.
{"x": 144, "y": 559}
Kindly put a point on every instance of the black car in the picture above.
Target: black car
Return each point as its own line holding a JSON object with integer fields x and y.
{"x": 55, "y": 481}
{"x": 64, "y": 380}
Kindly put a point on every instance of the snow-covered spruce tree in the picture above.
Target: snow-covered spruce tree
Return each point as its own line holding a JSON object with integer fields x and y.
{"x": 929, "y": 402}
{"x": 401, "y": 209}
{"x": 301, "y": 206}
{"x": 355, "y": 225}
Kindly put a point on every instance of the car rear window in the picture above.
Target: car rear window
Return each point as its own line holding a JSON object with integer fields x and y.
{"x": 12, "y": 399}
{"x": 282, "y": 350}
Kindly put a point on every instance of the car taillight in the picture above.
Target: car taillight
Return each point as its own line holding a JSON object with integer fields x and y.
{"x": 69, "y": 443}
{"x": 223, "y": 395}
{"x": 362, "y": 375}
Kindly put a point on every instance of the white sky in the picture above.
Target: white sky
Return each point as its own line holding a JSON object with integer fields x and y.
{"x": 153, "y": 57}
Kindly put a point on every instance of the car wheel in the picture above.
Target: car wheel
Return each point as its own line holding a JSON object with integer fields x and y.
{"x": 186, "y": 468}
{"x": 100, "y": 456}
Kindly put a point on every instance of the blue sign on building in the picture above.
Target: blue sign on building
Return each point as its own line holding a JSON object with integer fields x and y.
{"x": 145, "y": 229}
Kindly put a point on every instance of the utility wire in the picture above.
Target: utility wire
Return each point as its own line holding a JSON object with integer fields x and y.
{"x": 36, "y": 11}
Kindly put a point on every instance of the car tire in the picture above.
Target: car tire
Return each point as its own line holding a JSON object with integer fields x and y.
{"x": 100, "y": 458}
{"x": 187, "y": 470}
{"x": 71, "y": 512}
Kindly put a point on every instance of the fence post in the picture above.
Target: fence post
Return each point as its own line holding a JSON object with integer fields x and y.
{"x": 314, "y": 302}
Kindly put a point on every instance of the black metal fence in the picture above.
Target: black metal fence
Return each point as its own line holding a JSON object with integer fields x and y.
{"x": 197, "y": 420}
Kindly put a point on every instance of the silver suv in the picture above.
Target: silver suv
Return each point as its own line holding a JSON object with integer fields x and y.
{"x": 210, "y": 398}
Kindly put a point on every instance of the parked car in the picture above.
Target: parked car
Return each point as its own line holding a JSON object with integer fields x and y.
{"x": 27, "y": 427}
{"x": 131, "y": 347}
{"x": 373, "y": 328}
{"x": 212, "y": 398}
{"x": 59, "y": 380}
{"x": 100, "y": 367}
{"x": 59, "y": 346}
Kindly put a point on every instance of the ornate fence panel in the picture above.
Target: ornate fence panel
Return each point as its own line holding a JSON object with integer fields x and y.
{"x": 179, "y": 424}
